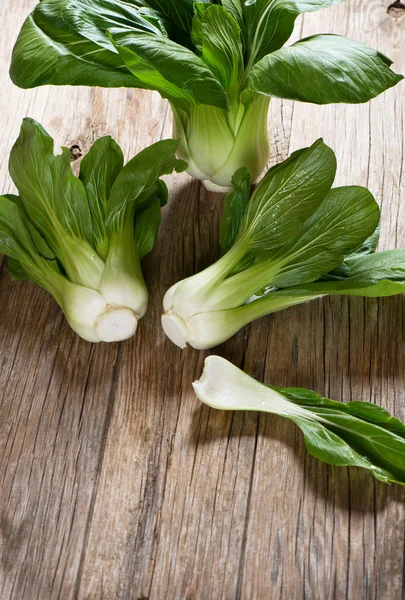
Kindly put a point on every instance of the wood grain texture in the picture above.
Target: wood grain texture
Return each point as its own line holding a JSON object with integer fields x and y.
{"x": 115, "y": 482}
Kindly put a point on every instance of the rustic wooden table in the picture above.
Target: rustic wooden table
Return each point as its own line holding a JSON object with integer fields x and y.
{"x": 116, "y": 483}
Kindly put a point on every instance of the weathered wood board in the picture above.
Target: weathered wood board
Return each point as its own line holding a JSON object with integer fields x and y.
{"x": 115, "y": 482}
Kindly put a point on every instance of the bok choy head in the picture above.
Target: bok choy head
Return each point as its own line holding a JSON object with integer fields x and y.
{"x": 82, "y": 239}
{"x": 357, "y": 434}
{"x": 295, "y": 239}
{"x": 218, "y": 64}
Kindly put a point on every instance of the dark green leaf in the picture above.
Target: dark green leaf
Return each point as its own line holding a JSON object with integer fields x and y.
{"x": 174, "y": 71}
{"x": 221, "y": 45}
{"x": 235, "y": 8}
{"x": 44, "y": 55}
{"x": 287, "y": 196}
{"x": 234, "y": 208}
{"x": 323, "y": 69}
{"x": 132, "y": 188}
{"x": 179, "y": 12}
{"x": 354, "y": 434}
{"x": 39, "y": 242}
{"x": 53, "y": 198}
{"x": 146, "y": 227}
{"x": 270, "y": 23}
{"x": 345, "y": 218}
{"x": 16, "y": 242}
{"x": 98, "y": 171}
{"x": 91, "y": 19}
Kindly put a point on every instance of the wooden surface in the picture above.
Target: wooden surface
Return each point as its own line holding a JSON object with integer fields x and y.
{"x": 116, "y": 483}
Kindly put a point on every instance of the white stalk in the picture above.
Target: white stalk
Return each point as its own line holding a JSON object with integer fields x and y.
{"x": 215, "y": 142}
{"x": 225, "y": 387}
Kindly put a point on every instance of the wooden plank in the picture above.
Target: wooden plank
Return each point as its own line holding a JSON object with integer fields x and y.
{"x": 116, "y": 482}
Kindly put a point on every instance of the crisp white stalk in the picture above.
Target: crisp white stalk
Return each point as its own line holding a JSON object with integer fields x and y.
{"x": 199, "y": 292}
{"x": 215, "y": 142}
{"x": 225, "y": 387}
{"x": 122, "y": 283}
{"x": 203, "y": 330}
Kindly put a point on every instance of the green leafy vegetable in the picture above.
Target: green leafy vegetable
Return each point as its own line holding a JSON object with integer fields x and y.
{"x": 294, "y": 240}
{"x": 82, "y": 238}
{"x": 218, "y": 63}
{"x": 356, "y": 434}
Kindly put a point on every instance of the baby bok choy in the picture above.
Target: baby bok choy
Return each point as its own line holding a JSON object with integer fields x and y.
{"x": 293, "y": 240}
{"x": 218, "y": 63}
{"x": 82, "y": 239}
{"x": 356, "y": 434}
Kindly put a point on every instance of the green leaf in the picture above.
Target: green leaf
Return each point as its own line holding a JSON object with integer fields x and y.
{"x": 389, "y": 264}
{"x": 55, "y": 202}
{"x": 16, "y": 242}
{"x": 323, "y": 69}
{"x": 235, "y": 9}
{"x": 361, "y": 430}
{"x": 98, "y": 171}
{"x": 132, "y": 188}
{"x": 287, "y": 196}
{"x": 53, "y": 198}
{"x": 353, "y": 434}
{"x": 174, "y": 71}
{"x": 147, "y": 226}
{"x": 344, "y": 219}
{"x": 39, "y": 242}
{"x": 270, "y": 23}
{"x": 374, "y": 275}
{"x": 221, "y": 45}
{"x": 44, "y": 55}
{"x": 91, "y": 19}
{"x": 179, "y": 12}
{"x": 234, "y": 208}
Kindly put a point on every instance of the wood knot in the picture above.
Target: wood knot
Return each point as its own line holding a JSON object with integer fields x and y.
{"x": 396, "y": 10}
{"x": 75, "y": 152}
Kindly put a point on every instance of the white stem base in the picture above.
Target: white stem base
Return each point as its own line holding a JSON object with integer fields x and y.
{"x": 175, "y": 329}
{"x": 213, "y": 187}
{"x": 116, "y": 324}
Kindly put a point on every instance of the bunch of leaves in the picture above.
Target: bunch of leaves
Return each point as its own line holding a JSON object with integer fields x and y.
{"x": 82, "y": 239}
{"x": 195, "y": 52}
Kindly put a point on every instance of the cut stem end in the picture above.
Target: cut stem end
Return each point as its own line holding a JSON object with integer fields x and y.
{"x": 116, "y": 324}
{"x": 175, "y": 329}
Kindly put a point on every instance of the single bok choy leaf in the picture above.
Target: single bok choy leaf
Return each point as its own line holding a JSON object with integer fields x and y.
{"x": 356, "y": 434}
{"x": 82, "y": 239}
{"x": 295, "y": 239}
{"x": 217, "y": 62}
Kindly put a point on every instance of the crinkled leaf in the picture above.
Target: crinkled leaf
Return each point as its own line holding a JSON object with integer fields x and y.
{"x": 323, "y": 69}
